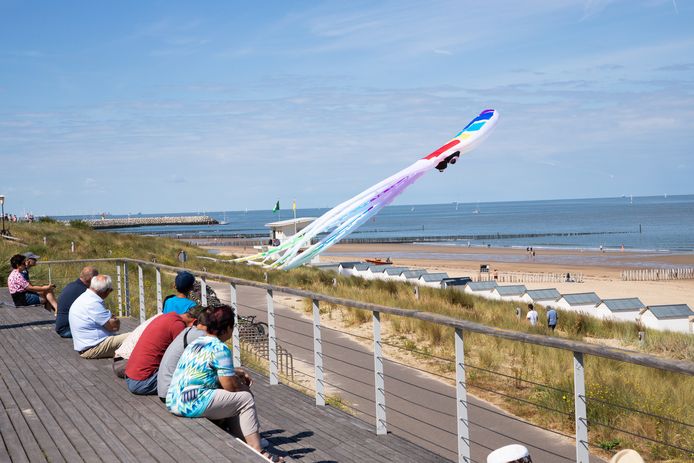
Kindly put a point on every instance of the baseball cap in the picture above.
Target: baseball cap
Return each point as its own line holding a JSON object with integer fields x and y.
{"x": 31, "y": 255}
{"x": 184, "y": 281}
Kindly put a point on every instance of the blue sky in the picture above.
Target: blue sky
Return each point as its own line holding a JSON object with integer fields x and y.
{"x": 166, "y": 106}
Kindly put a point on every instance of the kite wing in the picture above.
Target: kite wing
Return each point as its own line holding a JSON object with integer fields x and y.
{"x": 341, "y": 220}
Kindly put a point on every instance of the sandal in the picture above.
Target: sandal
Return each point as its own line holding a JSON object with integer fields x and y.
{"x": 272, "y": 457}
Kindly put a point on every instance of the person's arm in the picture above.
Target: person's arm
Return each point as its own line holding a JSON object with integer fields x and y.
{"x": 233, "y": 383}
{"x": 227, "y": 374}
{"x": 39, "y": 289}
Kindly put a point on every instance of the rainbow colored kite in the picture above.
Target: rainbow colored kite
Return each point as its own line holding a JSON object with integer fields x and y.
{"x": 341, "y": 220}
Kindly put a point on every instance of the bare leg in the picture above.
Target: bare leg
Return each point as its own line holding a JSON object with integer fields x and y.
{"x": 253, "y": 440}
{"x": 51, "y": 300}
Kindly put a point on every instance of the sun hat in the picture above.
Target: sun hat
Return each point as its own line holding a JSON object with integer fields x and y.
{"x": 184, "y": 281}
{"x": 626, "y": 456}
{"x": 513, "y": 453}
{"x": 31, "y": 255}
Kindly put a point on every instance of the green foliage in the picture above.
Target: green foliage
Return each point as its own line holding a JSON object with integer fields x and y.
{"x": 47, "y": 219}
{"x": 80, "y": 224}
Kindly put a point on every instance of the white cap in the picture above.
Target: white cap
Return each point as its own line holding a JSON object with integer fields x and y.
{"x": 626, "y": 456}
{"x": 509, "y": 454}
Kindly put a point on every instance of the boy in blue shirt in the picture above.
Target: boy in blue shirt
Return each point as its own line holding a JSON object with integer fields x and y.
{"x": 180, "y": 303}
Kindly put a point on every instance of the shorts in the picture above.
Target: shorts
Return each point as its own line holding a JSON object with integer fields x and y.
{"x": 32, "y": 298}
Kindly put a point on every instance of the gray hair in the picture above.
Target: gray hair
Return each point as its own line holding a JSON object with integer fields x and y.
{"x": 101, "y": 283}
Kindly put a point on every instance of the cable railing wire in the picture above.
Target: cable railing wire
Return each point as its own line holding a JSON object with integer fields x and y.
{"x": 370, "y": 368}
{"x": 349, "y": 378}
{"x": 513, "y": 418}
{"x": 418, "y": 420}
{"x": 342, "y": 346}
{"x": 348, "y": 334}
{"x": 635, "y": 410}
{"x": 529, "y": 402}
{"x": 667, "y": 444}
{"x": 410, "y": 401}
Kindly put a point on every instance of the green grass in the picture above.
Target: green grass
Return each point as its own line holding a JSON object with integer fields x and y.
{"x": 659, "y": 393}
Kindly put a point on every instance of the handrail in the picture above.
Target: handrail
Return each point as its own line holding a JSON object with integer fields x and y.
{"x": 623, "y": 355}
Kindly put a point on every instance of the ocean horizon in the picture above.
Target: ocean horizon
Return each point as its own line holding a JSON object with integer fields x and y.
{"x": 639, "y": 223}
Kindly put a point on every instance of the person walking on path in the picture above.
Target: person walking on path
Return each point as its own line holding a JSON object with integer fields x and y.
{"x": 68, "y": 295}
{"x": 532, "y": 315}
{"x": 552, "y": 318}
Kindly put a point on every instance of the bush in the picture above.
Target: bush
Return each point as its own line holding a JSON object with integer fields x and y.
{"x": 80, "y": 225}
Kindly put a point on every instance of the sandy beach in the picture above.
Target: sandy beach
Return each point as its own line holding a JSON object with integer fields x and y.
{"x": 601, "y": 271}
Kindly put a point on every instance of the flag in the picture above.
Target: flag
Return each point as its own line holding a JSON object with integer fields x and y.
{"x": 277, "y": 207}
{"x": 294, "y": 205}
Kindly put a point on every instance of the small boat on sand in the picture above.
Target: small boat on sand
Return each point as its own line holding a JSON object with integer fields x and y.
{"x": 378, "y": 261}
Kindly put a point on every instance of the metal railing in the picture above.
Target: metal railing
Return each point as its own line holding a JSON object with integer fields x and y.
{"x": 463, "y": 370}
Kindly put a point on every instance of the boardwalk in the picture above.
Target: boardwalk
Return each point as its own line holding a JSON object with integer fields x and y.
{"x": 59, "y": 407}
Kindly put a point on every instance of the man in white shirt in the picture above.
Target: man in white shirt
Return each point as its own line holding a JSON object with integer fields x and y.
{"x": 92, "y": 324}
{"x": 532, "y": 315}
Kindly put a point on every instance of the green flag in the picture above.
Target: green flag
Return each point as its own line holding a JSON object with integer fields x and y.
{"x": 277, "y": 207}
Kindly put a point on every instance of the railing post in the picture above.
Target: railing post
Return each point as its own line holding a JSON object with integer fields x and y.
{"x": 582, "y": 451}
{"x": 141, "y": 286}
{"x": 318, "y": 355}
{"x": 272, "y": 340}
{"x": 203, "y": 292}
{"x": 461, "y": 399}
{"x": 120, "y": 291}
{"x": 160, "y": 302}
{"x": 126, "y": 280}
{"x": 379, "y": 378}
{"x": 236, "y": 337}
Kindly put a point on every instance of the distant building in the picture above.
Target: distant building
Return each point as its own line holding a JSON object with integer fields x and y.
{"x": 355, "y": 270}
{"x": 547, "y": 296}
{"x": 579, "y": 302}
{"x": 280, "y": 231}
{"x": 620, "y": 309}
{"x": 327, "y": 266}
{"x": 374, "y": 272}
{"x": 393, "y": 273}
{"x": 456, "y": 282}
{"x": 432, "y": 279}
{"x": 508, "y": 293}
{"x": 345, "y": 268}
{"x": 676, "y": 317}
{"x": 480, "y": 288}
{"x": 412, "y": 275}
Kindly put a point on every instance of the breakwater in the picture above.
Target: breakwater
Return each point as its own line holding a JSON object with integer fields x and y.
{"x": 148, "y": 221}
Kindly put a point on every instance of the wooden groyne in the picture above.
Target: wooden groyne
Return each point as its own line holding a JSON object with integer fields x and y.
{"x": 145, "y": 221}
{"x": 657, "y": 274}
{"x": 493, "y": 236}
{"x": 533, "y": 277}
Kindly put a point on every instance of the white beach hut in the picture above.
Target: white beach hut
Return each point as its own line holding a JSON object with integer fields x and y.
{"x": 358, "y": 270}
{"x": 675, "y": 317}
{"x": 579, "y": 302}
{"x": 480, "y": 288}
{"x": 508, "y": 293}
{"x": 627, "y": 309}
{"x": 432, "y": 279}
{"x": 546, "y": 296}
{"x": 345, "y": 268}
{"x": 327, "y": 266}
{"x": 455, "y": 282}
{"x": 412, "y": 275}
{"x": 375, "y": 271}
{"x": 393, "y": 273}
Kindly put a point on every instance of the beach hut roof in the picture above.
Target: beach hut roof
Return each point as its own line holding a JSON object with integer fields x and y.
{"x": 482, "y": 285}
{"x": 663, "y": 312}
{"x": 582, "y": 298}
{"x": 349, "y": 264}
{"x": 378, "y": 268}
{"x": 413, "y": 273}
{"x": 360, "y": 267}
{"x": 511, "y": 290}
{"x": 433, "y": 276}
{"x": 456, "y": 281}
{"x": 328, "y": 266}
{"x": 395, "y": 270}
{"x": 630, "y": 304}
{"x": 284, "y": 223}
{"x": 543, "y": 294}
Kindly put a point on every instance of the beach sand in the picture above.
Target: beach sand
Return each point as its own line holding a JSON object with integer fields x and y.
{"x": 601, "y": 270}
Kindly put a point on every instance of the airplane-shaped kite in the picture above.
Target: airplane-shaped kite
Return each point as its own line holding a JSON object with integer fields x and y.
{"x": 341, "y": 220}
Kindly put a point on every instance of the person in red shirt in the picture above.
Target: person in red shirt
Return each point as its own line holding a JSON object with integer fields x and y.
{"x": 143, "y": 365}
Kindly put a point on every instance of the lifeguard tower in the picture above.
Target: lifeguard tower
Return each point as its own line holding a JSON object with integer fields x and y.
{"x": 283, "y": 229}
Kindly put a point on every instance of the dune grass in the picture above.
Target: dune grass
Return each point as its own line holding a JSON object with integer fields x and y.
{"x": 535, "y": 374}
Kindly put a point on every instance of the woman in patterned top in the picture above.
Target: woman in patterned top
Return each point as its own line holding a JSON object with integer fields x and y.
{"x": 23, "y": 292}
{"x": 206, "y": 383}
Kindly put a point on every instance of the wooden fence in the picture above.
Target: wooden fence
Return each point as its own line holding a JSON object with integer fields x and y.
{"x": 530, "y": 277}
{"x": 656, "y": 274}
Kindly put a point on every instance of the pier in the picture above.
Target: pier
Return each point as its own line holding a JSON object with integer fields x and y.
{"x": 147, "y": 221}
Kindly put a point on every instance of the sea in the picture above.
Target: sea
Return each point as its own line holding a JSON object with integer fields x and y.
{"x": 639, "y": 223}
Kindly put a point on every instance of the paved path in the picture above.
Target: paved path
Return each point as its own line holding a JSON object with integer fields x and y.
{"x": 420, "y": 408}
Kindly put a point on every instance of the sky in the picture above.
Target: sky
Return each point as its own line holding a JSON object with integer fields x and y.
{"x": 168, "y": 106}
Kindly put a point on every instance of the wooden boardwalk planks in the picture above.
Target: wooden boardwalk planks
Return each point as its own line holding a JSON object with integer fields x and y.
{"x": 56, "y": 406}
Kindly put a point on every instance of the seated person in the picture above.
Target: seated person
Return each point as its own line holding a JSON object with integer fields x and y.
{"x": 143, "y": 365}
{"x": 24, "y": 293}
{"x": 68, "y": 295}
{"x": 122, "y": 354}
{"x": 173, "y": 353}
{"x": 206, "y": 383}
{"x": 179, "y": 302}
{"x": 92, "y": 325}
